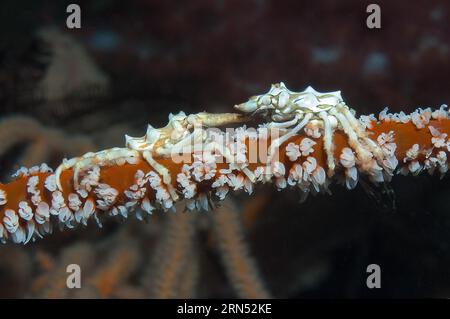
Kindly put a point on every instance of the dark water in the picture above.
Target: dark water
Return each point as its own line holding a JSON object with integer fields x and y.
{"x": 133, "y": 63}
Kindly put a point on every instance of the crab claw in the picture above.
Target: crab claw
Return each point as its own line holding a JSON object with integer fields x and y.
{"x": 248, "y": 107}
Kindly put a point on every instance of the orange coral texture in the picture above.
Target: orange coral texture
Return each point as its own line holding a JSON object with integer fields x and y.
{"x": 123, "y": 176}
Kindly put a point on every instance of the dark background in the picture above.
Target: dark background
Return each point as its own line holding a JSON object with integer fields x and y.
{"x": 149, "y": 58}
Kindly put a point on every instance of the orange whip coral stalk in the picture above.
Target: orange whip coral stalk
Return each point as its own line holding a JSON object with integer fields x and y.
{"x": 305, "y": 140}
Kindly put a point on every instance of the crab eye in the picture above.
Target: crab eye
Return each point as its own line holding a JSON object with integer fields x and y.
{"x": 266, "y": 100}
{"x": 283, "y": 99}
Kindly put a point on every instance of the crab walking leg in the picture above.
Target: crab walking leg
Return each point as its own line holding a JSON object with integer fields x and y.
{"x": 279, "y": 141}
{"x": 66, "y": 164}
{"x": 354, "y": 123}
{"x": 328, "y": 142}
{"x": 284, "y": 124}
{"x": 90, "y": 159}
{"x": 79, "y": 164}
{"x": 221, "y": 149}
{"x": 82, "y": 163}
{"x": 196, "y": 137}
{"x": 162, "y": 170}
{"x": 225, "y": 152}
{"x": 356, "y": 126}
{"x": 364, "y": 155}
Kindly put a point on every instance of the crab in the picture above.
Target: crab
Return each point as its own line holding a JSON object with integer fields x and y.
{"x": 287, "y": 111}
{"x": 290, "y": 112}
{"x": 181, "y": 131}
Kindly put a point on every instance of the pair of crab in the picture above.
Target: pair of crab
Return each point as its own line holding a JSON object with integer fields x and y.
{"x": 285, "y": 110}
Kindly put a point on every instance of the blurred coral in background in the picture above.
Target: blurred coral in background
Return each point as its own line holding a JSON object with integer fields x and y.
{"x": 65, "y": 92}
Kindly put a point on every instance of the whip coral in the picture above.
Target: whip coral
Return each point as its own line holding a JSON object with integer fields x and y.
{"x": 306, "y": 140}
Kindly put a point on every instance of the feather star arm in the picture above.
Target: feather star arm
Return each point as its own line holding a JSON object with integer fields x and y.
{"x": 317, "y": 142}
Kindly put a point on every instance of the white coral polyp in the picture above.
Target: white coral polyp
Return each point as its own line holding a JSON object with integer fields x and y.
{"x": 293, "y": 152}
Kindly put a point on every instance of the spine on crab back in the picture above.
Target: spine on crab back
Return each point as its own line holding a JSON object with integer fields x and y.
{"x": 32, "y": 204}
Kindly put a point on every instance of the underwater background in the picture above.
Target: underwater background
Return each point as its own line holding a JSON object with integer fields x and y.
{"x": 64, "y": 92}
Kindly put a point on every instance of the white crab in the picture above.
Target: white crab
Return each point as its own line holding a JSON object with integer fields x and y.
{"x": 181, "y": 131}
{"x": 286, "y": 110}
{"x": 291, "y": 111}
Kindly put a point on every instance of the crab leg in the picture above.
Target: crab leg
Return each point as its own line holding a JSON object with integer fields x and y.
{"x": 284, "y": 124}
{"x": 66, "y": 164}
{"x": 364, "y": 155}
{"x": 225, "y": 152}
{"x": 108, "y": 155}
{"x": 328, "y": 142}
{"x": 147, "y": 155}
{"x": 277, "y": 142}
{"x": 192, "y": 139}
{"x": 87, "y": 160}
{"x": 357, "y": 128}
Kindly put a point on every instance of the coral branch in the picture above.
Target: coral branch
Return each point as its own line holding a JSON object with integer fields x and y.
{"x": 108, "y": 277}
{"x": 311, "y": 140}
{"x": 43, "y": 142}
{"x": 56, "y": 286}
{"x": 171, "y": 257}
{"x": 240, "y": 267}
